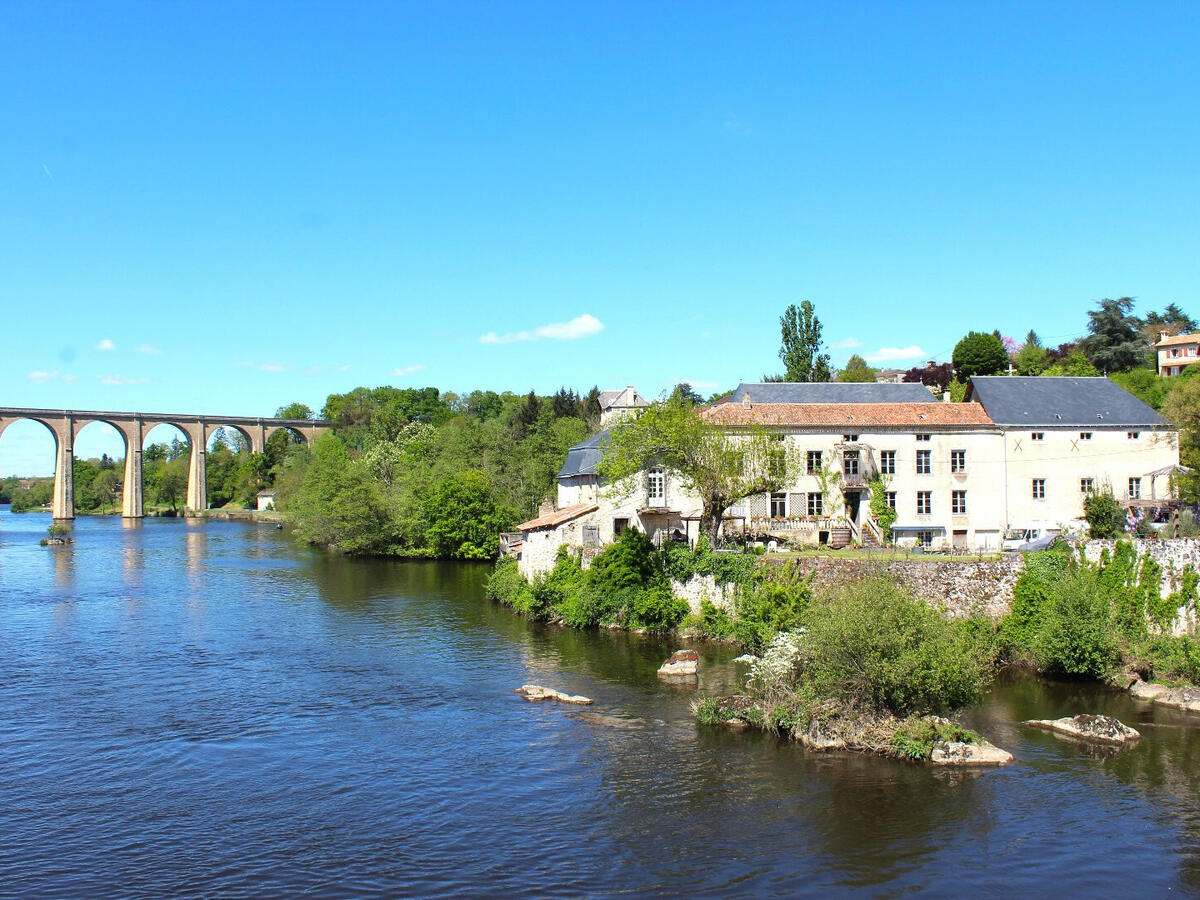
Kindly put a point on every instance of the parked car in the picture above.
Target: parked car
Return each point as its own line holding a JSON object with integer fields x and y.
{"x": 1029, "y": 537}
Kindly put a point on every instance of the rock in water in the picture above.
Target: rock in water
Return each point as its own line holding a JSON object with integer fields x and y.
{"x": 1142, "y": 690}
{"x": 958, "y": 753}
{"x": 1104, "y": 729}
{"x": 537, "y": 692}
{"x": 682, "y": 662}
{"x": 1185, "y": 698}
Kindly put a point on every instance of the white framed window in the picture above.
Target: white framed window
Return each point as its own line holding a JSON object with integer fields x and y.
{"x": 1037, "y": 436}
{"x": 816, "y": 504}
{"x": 656, "y": 487}
{"x": 924, "y": 503}
{"x": 924, "y": 437}
{"x": 850, "y": 463}
{"x": 958, "y": 460}
{"x": 813, "y": 462}
{"x": 924, "y": 462}
{"x": 849, "y": 438}
{"x": 1133, "y": 435}
{"x": 1039, "y": 489}
{"x": 778, "y": 505}
{"x": 890, "y": 497}
{"x": 1135, "y": 489}
{"x": 1087, "y": 485}
{"x": 1085, "y": 435}
{"x": 958, "y": 503}
{"x": 887, "y": 462}
{"x": 925, "y": 539}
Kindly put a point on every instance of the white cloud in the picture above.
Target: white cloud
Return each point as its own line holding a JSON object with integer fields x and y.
{"x": 121, "y": 380}
{"x": 406, "y": 370}
{"x": 580, "y": 326}
{"x": 846, "y": 344}
{"x": 148, "y": 349}
{"x": 890, "y": 354}
{"x": 106, "y": 344}
{"x": 40, "y": 377}
{"x": 272, "y": 367}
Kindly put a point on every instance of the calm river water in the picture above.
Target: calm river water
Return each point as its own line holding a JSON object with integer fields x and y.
{"x": 209, "y": 708}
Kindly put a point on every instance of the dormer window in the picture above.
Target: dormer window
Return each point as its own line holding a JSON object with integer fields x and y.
{"x": 656, "y": 487}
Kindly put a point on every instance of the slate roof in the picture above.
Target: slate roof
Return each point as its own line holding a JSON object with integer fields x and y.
{"x": 852, "y": 417}
{"x": 1060, "y": 401}
{"x": 583, "y": 458}
{"x": 626, "y": 398}
{"x": 566, "y": 514}
{"x": 832, "y": 392}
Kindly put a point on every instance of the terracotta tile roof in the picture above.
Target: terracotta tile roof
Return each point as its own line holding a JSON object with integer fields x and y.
{"x": 852, "y": 416}
{"x": 1179, "y": 339}
{"x": 566, "y": 514}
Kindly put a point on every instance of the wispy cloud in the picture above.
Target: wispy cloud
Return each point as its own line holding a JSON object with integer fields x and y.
{"x": 40, "y": 376}
{"x": 891, "y": 354}
{"x": 106, "y": 344}
{"x": 846, "y": 344}
{"x": 49, "y": 174}
{"x": 406, "y": 370}
{"x": 579, "y": 327}
{"x": 148, "y": 350}
{"x": 122, "y": 380}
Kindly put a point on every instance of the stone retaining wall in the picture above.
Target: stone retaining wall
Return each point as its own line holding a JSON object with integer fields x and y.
{"x": 1173, "y": 555}
{"x": 959, "y": 587}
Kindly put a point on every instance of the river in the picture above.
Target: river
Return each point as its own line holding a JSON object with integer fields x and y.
{"x": 211, "y": 708}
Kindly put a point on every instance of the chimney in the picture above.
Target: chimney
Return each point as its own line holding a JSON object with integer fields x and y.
{"x": 746, "y": 400}
{"x": 945, "y": 396}
{"x": 1162, "y": 335}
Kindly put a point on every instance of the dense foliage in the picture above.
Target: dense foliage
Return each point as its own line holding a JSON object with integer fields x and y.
{"x": 979, "y": 354}
{"x": 415, "y": 472}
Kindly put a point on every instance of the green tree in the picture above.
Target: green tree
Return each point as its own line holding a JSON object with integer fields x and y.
{"x": 856, "y": 370}
{"x": 1182, "y": 409}
{"x": 1115, "y": 342}
{"x": 294, "y": 411}
{"x": 801, "y": 349}
{"x": 979, "y": 354}
{"x": 464, "y": 520}
{"x": 1075, "y": 363}
{"x": 683, "y": 392}
{"x": 720, "y": 466}
{"x": 338, "y": 505}
{"x": 1032, "y": 358}
{"x": 1104, "y": 515}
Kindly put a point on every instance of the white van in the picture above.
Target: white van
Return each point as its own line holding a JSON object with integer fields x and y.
{"x": 1017, "y": 536}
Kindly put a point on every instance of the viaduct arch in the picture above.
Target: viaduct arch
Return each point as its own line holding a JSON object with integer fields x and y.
{"x": 63, "y": 424}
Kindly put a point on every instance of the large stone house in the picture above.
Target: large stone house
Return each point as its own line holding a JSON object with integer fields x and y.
{"x": 1020, "y": 452}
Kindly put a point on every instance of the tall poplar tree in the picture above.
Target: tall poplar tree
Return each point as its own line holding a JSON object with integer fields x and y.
{"x": 801, "y": 350}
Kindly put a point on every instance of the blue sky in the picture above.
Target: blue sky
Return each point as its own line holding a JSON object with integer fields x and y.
{"x": 225, "y": 208}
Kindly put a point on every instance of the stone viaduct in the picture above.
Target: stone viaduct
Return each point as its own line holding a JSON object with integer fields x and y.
{"x": 65, "y": 423}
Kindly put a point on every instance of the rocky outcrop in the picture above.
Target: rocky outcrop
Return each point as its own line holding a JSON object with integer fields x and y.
{"x": 1103, "y": 729}
{"x": 537, "y": 692}
{"x": 682, "y": 663}
{"x": 1186, "y": 698}
{"x": 960, "y": 753}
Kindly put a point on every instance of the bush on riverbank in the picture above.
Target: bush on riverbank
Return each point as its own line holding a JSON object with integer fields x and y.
{"x": 1079, "y": 620}
{"x": 625, "y": 586}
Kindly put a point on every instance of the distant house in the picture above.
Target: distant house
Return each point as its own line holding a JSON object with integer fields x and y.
{"x": 617, "y": 405}
{"x": 266, "y": 500}
{"x": 1174, "y": 352}
{"x": 883, "y": 376}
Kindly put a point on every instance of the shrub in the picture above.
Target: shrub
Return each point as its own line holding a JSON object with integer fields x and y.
{"x": 657, "y": 608}
{"x": 507, "y": 585}
{"x": 916, "y": 739}
{"x": 1043, "y": 571}
{"x": 714, "y": 621}
{"x": 1077, "y": 636}
{"x": 871, "y": 643}
{"x": 775, "y": 601}
{"x": 630, "y": 562}
{"x": 1104, "y": 516}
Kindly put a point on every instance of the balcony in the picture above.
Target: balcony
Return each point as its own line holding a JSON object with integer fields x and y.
{"x": 857, "y": 465}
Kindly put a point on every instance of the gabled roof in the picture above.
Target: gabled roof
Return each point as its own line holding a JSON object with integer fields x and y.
{"x": 584, "y": 457}
{"x": 566, "y": 514}
{"x": 832, "y": 392}
{"x": 852, "y": 417}
{"x": 1060, "y": 401}
{"x": 625, "y": 398}
{"x": 1193, "y": 338}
